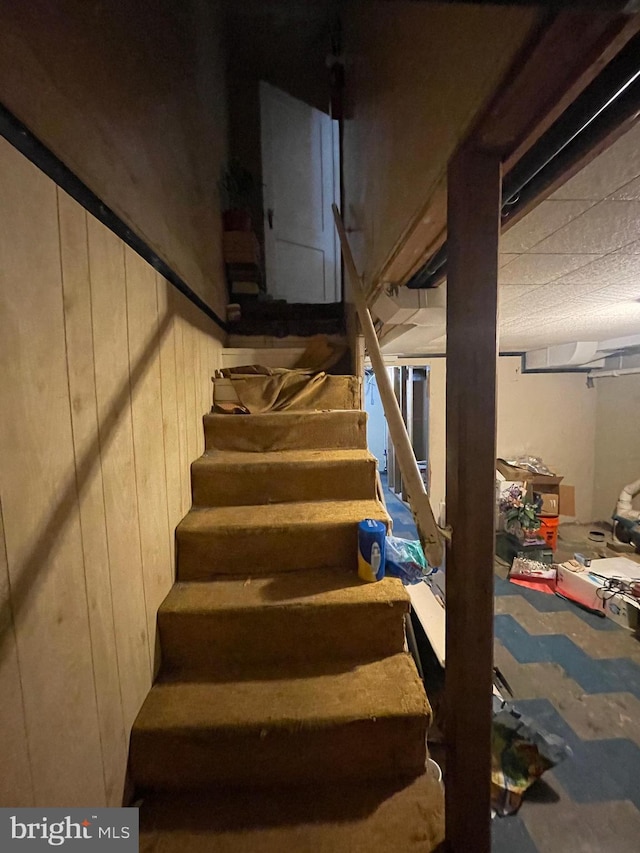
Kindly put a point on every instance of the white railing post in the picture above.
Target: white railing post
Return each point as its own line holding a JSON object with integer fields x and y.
{"x": 430, "y": 534}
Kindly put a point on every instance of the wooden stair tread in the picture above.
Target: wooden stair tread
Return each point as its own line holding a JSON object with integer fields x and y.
{"x": 229, "y": 458}
{"x": 385, "y": 688}
{"x": 375, "y": 816}
{"x": 264, "y": 516}
{"x": 312, "y": 588}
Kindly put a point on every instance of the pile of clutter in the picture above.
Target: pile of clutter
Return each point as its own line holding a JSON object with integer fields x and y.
{"x": 530, "y": 497}
{"x": 380, "y": 555}
{"x": 609, "y": 587}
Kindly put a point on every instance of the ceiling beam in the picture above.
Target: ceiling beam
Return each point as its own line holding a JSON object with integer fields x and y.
{"x": 557, "y": 63}
{"x": 560, "y": 61}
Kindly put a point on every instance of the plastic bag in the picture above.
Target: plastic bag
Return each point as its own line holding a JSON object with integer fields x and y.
{"x": 534, "y": 464}
{"x": 521, "y": 751}
{"x": 404, "y": 559}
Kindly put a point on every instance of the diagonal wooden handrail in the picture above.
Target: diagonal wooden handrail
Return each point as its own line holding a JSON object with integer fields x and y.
{"x": 431, "y": 536}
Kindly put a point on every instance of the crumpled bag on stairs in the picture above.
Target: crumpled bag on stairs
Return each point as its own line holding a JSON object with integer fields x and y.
{"x": 275, "y": 389}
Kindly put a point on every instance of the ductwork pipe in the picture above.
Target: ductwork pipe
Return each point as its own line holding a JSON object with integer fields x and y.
{"x": 624, "y": 507}
{"x": 624, "y": 371}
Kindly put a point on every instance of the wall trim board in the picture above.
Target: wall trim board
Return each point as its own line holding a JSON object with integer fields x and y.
{"x": 21, "y": 138}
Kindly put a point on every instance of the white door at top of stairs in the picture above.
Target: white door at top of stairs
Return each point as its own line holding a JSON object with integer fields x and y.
{"x": 300, "y": 175}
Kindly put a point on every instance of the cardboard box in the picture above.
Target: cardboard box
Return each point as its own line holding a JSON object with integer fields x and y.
{"x": 548, "y": 488}
{"x": 245, "y": 288}
{"x": 560, "y": 498}
{"x": 550, "y": 504}
{"x": 503, "y": 486}
{"x": 537, "y": 482}
{"x": 580, "y": 587}
{"x": 616, "y": 567}
{"x": 623, "y": 610}
{"x": 511, "y": 472}
{"x": 567, "y": 504}
{"x": 240, "y": 247}
{"x": 587, "y": 588}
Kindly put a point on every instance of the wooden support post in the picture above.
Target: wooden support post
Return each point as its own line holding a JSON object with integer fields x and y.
{"x": 474, "y": 184}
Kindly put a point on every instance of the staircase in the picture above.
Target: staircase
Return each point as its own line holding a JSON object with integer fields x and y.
{"x": 287, "y": 714}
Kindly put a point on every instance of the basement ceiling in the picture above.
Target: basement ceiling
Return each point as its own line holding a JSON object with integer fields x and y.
{"x": 569, "y": 270}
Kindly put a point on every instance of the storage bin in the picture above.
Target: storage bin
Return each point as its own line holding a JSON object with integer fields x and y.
{"x": 549, "y": 531}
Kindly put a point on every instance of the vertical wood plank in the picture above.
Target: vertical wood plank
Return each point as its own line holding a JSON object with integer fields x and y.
{"x": 474, "y": 185}
{"x": 181, "y": 400}
{"x": 16, "y": 784}
{"x": 169, "y": 393}
{"x": 190, "y": 386}
{"x": 40, "y": 509}
{"x": 109, "y": 317}
{"x": 197, "y": 380}
{"x": 84, "y": 420}
{"x": 148, "y": 441}
{"x": 214, "y": 364}
{"x": 204, "y": 380}
{"x": 211, "y": 366}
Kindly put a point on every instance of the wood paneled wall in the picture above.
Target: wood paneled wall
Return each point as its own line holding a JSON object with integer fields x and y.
{"x": 131, "y": 96}
{"x": 104, "y": 377}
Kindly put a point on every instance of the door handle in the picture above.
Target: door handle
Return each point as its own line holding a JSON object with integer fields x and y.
{"x": 270, "y": 217}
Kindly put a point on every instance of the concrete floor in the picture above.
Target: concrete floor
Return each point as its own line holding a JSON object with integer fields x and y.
{"x": 579, "y": 676}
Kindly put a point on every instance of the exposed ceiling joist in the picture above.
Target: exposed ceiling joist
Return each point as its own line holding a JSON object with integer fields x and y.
{"x": 558, "y": 63}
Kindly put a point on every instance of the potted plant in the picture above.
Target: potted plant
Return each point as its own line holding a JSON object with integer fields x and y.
{"x": 239, "y": 195}
{"x": 521, "y": 517}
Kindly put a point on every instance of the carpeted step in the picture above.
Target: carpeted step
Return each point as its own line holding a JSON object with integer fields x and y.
{"x": 368, "y": 721}
{"x": 338, "y": 430}
{"x": 231, "y": 478}
{"x": 272, "y": 538}
{"x": 222, "y": 628}
{"x": 376, "y": 817}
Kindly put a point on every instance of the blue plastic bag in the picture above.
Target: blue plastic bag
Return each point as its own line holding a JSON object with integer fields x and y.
{"x": 405, "y": 560}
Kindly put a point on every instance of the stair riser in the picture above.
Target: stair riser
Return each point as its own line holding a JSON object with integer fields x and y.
{"x": 333, "y": 431}
{"x": 223, "y": 643}
{"x": 281, "y": 483}
{"x": 382, "y": 748}
{"x": 204, "y": 555}
{"x": 335, "y": 392}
